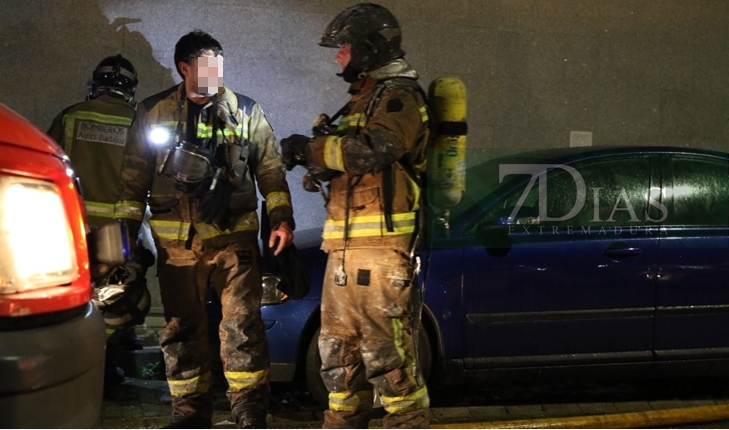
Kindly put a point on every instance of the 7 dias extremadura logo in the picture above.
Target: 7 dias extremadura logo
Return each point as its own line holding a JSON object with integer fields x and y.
{"x": 622, "y": 203}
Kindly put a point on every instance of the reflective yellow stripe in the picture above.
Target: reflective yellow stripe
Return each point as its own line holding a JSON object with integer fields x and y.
{"x": 185, "y": 387}
{"x": 346, "y": 401}
{"x": 205, "y": 131}
{"x": 128, "y": 209}
{"x": 424, "y": 114}
{"x": 170, "y": 230}
{"x": 104, "y": 210}
{"x": 333, "y": 157}
{"x": 343, "y": 124}
{"x": 277, "y": 199}
{"x": 368, "y": 226}
{"x": 417, "y": 400}
{"x": 246, "y": 380}
{"x": 397, "y": 337}
{"x": 245, "y": 222}
{"x": 416, "y": 188}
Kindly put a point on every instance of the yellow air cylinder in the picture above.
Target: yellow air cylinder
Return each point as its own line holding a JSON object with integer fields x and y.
{"x": 447, "y": 160}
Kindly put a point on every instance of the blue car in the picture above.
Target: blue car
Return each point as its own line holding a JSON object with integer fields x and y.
{"x": 562, "y": 262}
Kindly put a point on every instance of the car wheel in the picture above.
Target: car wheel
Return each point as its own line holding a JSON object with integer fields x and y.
{"x": 314, "y": 383}
{"x": 316, "y": 386}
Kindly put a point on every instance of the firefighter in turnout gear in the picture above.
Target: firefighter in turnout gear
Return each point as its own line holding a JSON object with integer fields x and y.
{"x": 373, "y": 159}
{"x": 93, "y": 133}
{"x": 196, "y": 153}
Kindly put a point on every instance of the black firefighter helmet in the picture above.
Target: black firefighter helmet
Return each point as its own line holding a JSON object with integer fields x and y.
{"x": 115, "y": 75}
{"x": 371, "y": 30}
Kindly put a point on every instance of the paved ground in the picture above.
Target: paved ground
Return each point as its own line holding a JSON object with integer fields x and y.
{"x": 143, "y": 401}
{"x": 140, "y": 403}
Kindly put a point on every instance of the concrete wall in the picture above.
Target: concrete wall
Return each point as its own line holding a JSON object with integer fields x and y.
{"x": 629, "y": 71}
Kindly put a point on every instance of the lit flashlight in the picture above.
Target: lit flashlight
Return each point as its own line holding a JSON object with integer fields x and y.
{"x": 159, "y": 136}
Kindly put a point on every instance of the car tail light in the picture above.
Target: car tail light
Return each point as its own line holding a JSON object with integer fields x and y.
{"x": 36, "y": 238}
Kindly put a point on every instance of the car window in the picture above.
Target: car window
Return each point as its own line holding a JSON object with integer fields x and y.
{"x": 592, "y": 194}
{"x": 700, "y": 192}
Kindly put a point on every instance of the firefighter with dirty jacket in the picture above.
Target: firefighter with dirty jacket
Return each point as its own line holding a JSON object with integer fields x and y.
{"x": 93, "y": 134}
{"x": 197, "y": 152}
{"x": 373, "y": 160}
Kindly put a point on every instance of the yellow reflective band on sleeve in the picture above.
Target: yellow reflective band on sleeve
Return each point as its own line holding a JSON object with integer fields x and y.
{"x": 424, "y": 114}
{"x": 239, "y": 381}
{"x": 128, "y": 209}
{"x": 346, "y": 401}
{"x": 412, "y": 402}
{"x": 277, "y": 199}
{"x": 333, "y": 157}
{"x": 170, "y": 230}
{"x": 102, "y": 210}
{"x": 343, "y": 124}
{"x": 245, "y": 222}
{"x": 185, "y": 387}
{"x": 370, "y": 226}
{"x": 361, "y": 120}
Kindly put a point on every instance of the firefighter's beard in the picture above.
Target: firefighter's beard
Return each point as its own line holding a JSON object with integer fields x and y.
{"x": 208, "y": 87}
{"x": 207, "y": 91}
{"x": 350, "y": 74}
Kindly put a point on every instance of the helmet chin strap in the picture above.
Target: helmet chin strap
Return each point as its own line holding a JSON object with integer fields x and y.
{"x": 111, "y": 91}
{"x": 350, "y": 74}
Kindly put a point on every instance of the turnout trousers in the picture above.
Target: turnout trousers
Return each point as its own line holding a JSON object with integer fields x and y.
{"x": 234, "y": 272}
{"x": 366, "y": 341}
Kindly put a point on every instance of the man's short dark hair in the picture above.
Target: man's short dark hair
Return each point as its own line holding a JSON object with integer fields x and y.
{"x": 192, "y": 45}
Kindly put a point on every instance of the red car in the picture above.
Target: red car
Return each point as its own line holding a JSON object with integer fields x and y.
{"x": 52, "y": 338}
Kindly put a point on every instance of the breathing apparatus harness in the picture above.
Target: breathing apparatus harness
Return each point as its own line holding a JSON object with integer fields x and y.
{"x": 191, "y": 163}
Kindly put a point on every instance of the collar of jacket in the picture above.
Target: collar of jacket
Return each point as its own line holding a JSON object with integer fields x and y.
{"x": 399, "y": 68}
{"x": 115, "y": 100}
{"x": 227, "y": 104}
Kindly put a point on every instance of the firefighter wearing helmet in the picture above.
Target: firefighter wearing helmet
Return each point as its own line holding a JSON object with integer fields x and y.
{"x": 372, "y": 159}
{"x": 93, "y": 133}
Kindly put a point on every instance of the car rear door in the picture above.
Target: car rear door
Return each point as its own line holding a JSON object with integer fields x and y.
{"x": 692, "y": 317}
{"x": 576, "y": 286}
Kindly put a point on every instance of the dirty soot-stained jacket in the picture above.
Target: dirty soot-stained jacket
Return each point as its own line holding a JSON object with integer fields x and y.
{"x": 389, "y": 145}
{"x": 174, "y": 215}
{"x": 93, "y": 133}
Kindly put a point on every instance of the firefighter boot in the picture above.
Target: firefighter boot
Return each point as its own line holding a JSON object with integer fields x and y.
{"x": 193, "y": 411}
{"x": 249, "y": 408}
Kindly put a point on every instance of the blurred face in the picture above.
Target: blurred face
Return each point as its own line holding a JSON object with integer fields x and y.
{"x": 344, "y": 56}
{"x": 204, "y": 76}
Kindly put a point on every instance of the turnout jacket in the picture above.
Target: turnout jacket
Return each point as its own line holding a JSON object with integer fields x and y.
{"x": 93, "y": 135}
{"x": 253, "y": 154}
{"x": 379, "y": 152}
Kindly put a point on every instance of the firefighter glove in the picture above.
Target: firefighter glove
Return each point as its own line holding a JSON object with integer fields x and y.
{"x": 214, "y": 205}
{"x": 294, "y": 150}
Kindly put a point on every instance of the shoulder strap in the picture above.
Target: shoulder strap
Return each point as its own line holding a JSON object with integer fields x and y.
{"x": 388, "y": 179}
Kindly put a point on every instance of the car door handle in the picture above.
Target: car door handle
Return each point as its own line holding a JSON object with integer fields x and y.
{"x": 622, "y": 252}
